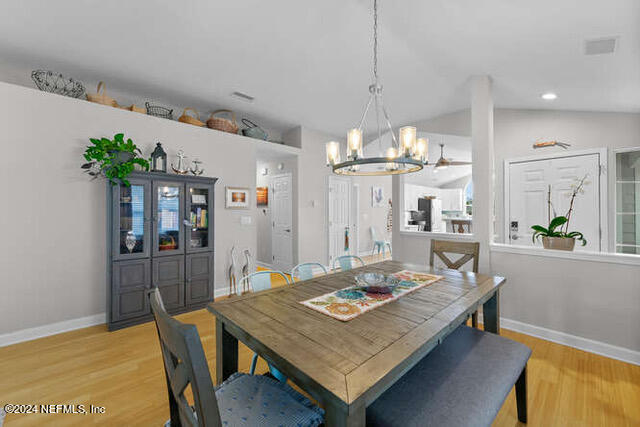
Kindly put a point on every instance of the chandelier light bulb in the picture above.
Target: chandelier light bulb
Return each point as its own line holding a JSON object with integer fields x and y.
{"x": 333, "y": 153}
{"x": 354, "y": 143}
{"x": 407, "y": 140}
{"x": 422, "y": 150}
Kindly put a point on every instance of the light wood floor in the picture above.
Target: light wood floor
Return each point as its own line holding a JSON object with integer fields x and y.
{"x": 123, "y": 371}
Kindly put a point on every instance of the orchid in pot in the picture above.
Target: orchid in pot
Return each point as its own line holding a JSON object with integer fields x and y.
{"x": 557, "y": 235}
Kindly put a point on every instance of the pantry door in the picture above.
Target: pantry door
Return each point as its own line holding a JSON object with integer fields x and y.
{"x": 528, "y": 185}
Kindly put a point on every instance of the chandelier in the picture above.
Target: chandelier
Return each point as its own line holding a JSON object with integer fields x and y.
{"x": 407, "y": 155}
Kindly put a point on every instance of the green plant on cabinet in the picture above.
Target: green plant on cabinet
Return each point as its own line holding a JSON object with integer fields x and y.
{"x": 115, "y": 159}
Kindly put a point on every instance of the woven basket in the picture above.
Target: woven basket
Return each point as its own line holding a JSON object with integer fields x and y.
{"x": 159, "y": 111}
{"x": 102, "y": 97}
{"x": 132, "y": 107}
{"x": 222, "y": 124}
{"x": 185, "y": 118}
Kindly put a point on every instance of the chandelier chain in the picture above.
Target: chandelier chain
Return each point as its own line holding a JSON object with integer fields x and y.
{"x": 375, "y": 40}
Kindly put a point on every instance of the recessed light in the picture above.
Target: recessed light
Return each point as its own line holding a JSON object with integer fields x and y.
{"x": 549, "y": 96}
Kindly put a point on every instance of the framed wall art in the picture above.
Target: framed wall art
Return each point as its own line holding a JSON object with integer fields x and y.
{"x": 237, "y": 197}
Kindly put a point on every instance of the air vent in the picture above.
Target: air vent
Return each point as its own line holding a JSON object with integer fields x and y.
{"x": 600, "y": 46}
{"x": 243, "y": 96}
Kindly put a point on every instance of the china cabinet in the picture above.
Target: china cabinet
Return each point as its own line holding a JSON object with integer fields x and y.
{"x": 160, "y": 234}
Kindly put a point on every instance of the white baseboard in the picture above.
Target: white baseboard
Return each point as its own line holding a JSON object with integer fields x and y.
{"x": 592, "y": 346}
{"x": 221, "y": 292}
{"x": 51, "y": 329}
{"x": 264, "y": 265}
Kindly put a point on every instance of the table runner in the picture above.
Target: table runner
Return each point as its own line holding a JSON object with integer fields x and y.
{"x": 348, "y": 303}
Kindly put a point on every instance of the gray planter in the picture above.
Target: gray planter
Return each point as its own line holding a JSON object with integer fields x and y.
{"x": 559, "y": 243}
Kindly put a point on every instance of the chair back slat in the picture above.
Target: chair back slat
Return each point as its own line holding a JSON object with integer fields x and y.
{"x": 185, "y": 364}
{"x": 304, "y": 271}
{"x": 261, "y": 280}
{"x": 469, "y": 251}
{"x": 347, "y": 262}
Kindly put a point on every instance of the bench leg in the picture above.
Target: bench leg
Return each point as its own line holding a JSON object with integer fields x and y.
{"x": 521, "y": 396}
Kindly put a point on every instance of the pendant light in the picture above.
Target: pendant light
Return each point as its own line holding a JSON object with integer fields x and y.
{"x": 406, "y": 154}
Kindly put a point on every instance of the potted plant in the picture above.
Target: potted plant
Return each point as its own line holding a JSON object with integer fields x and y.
{"x": 557, "y": 234}
{"x": 115, "y": 159}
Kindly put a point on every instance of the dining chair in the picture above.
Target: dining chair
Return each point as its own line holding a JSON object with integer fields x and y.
{"x": 256, "y": 282}
{"x": 304, "y": 271}
{"x": 378, "y": 244}
{"x": 241, "y": 400}
{"x": 470, "y": 251}
{"x": 346, "y": 262}
{"x": 458, "y": 226}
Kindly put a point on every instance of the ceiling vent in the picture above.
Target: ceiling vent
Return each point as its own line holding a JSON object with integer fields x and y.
{"x": 243, "y": 96}
{"x": 600, "y": 46}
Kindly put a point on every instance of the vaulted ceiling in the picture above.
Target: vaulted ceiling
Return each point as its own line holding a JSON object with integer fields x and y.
{"x": 309, "y": 63}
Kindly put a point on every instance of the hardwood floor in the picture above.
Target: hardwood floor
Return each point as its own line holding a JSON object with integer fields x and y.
{"x": 122, "y": 371}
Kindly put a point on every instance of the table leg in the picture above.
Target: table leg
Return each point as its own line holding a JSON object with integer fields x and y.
{"x": 226, "y": 353}
{"x": 491, "y": 314}
{"x": 342, "y": 417}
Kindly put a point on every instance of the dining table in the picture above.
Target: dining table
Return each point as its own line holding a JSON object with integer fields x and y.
{"x": 346, "y": 365}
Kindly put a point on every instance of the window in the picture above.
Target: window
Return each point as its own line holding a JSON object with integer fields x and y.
{"x": 627, "y": 207}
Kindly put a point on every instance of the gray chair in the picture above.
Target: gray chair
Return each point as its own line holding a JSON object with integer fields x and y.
{"x": 347, "y": 262}
{"x": 463, "y": 382}
{"x": 304, "y": 271}
{"x": 241, "y": 400}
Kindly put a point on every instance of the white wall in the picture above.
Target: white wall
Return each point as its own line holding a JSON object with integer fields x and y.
{"x": 370, "y": 216}
{"x": 53, "y": 217}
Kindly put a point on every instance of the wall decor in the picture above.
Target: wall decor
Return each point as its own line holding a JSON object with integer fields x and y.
{"x": 48, "y": 81}
{"x": 222, "y": 124}
{"x": 101, "y": 97}
{"x": 180, "y": 169}
{"x": 186, "y": 118}
{"x": 115, "y": 159}
{"x": 158, "y": 159}
{"x": 195, "y": 167}
{"x": 377, "y": 196}
{"x": 262, "y": 196}
{"x": 237, "y": 198}
{"x": 159, "y": 111}
{"x": 545, "y": 144}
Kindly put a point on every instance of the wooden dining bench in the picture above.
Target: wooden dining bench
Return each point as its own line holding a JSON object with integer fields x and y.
{"x": 463, "y": 382}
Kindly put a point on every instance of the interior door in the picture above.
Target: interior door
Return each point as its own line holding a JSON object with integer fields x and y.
{"x": 528, "y": 187}
{"x": 339, "y": 205}
{"x": 282, "y": 222}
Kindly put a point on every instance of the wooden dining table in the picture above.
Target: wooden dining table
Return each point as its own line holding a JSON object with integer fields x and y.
{"x": 346, "y": 365}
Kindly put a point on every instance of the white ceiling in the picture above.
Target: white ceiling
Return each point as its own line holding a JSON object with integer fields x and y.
{"x": 309, "y": 62}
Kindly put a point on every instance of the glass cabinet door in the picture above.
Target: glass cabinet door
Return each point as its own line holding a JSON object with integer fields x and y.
{"x": 198, "y": 220}
{"x": 168, "y": 211}
{"x": 131, "y": 226}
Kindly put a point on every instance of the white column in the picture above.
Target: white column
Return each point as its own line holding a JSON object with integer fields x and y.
{"x": 483, "y": 169}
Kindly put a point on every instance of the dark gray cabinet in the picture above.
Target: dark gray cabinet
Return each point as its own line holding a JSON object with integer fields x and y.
{"x": 160, "y": 234}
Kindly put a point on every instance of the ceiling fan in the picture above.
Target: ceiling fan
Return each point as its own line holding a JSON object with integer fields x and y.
{"x": 443, "y": 162}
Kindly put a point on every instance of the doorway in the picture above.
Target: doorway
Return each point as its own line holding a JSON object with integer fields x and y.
{"x": 339, "y": 213}
{"x": 282, "y": 221}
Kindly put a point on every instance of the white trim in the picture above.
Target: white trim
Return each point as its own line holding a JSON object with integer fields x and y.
{"x": 614, "y": 176}
{"x": 606, "y": 257}
{"x": 220, "y": 292}
{"x": 603, "y": 181}
{"x": 433, "y": 235}
{"x": 264, "y": 265}
{"x": 52, "y": 329}
{"x": 596, "y": 347}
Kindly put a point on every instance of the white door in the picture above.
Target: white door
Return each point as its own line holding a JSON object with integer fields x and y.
{"x": 282, "y": 223}
{"x": 528, "y": 187}
{"x": 339, "y": 206}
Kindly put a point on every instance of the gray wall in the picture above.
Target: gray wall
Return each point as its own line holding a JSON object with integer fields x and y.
{"x": 597, "y": 300}
{"x": 53, "y": 217}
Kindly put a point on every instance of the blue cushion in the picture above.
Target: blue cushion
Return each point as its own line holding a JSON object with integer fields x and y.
{"x": 256, "y": 400}
{"x": 462, "y": 382}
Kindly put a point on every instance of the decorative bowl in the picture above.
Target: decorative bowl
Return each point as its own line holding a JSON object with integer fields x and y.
{"x": 376, "y": 283}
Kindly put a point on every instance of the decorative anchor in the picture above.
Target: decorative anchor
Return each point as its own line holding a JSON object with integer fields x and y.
{"x": 180, "y": 170}
{"x": 195, "y": 167}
